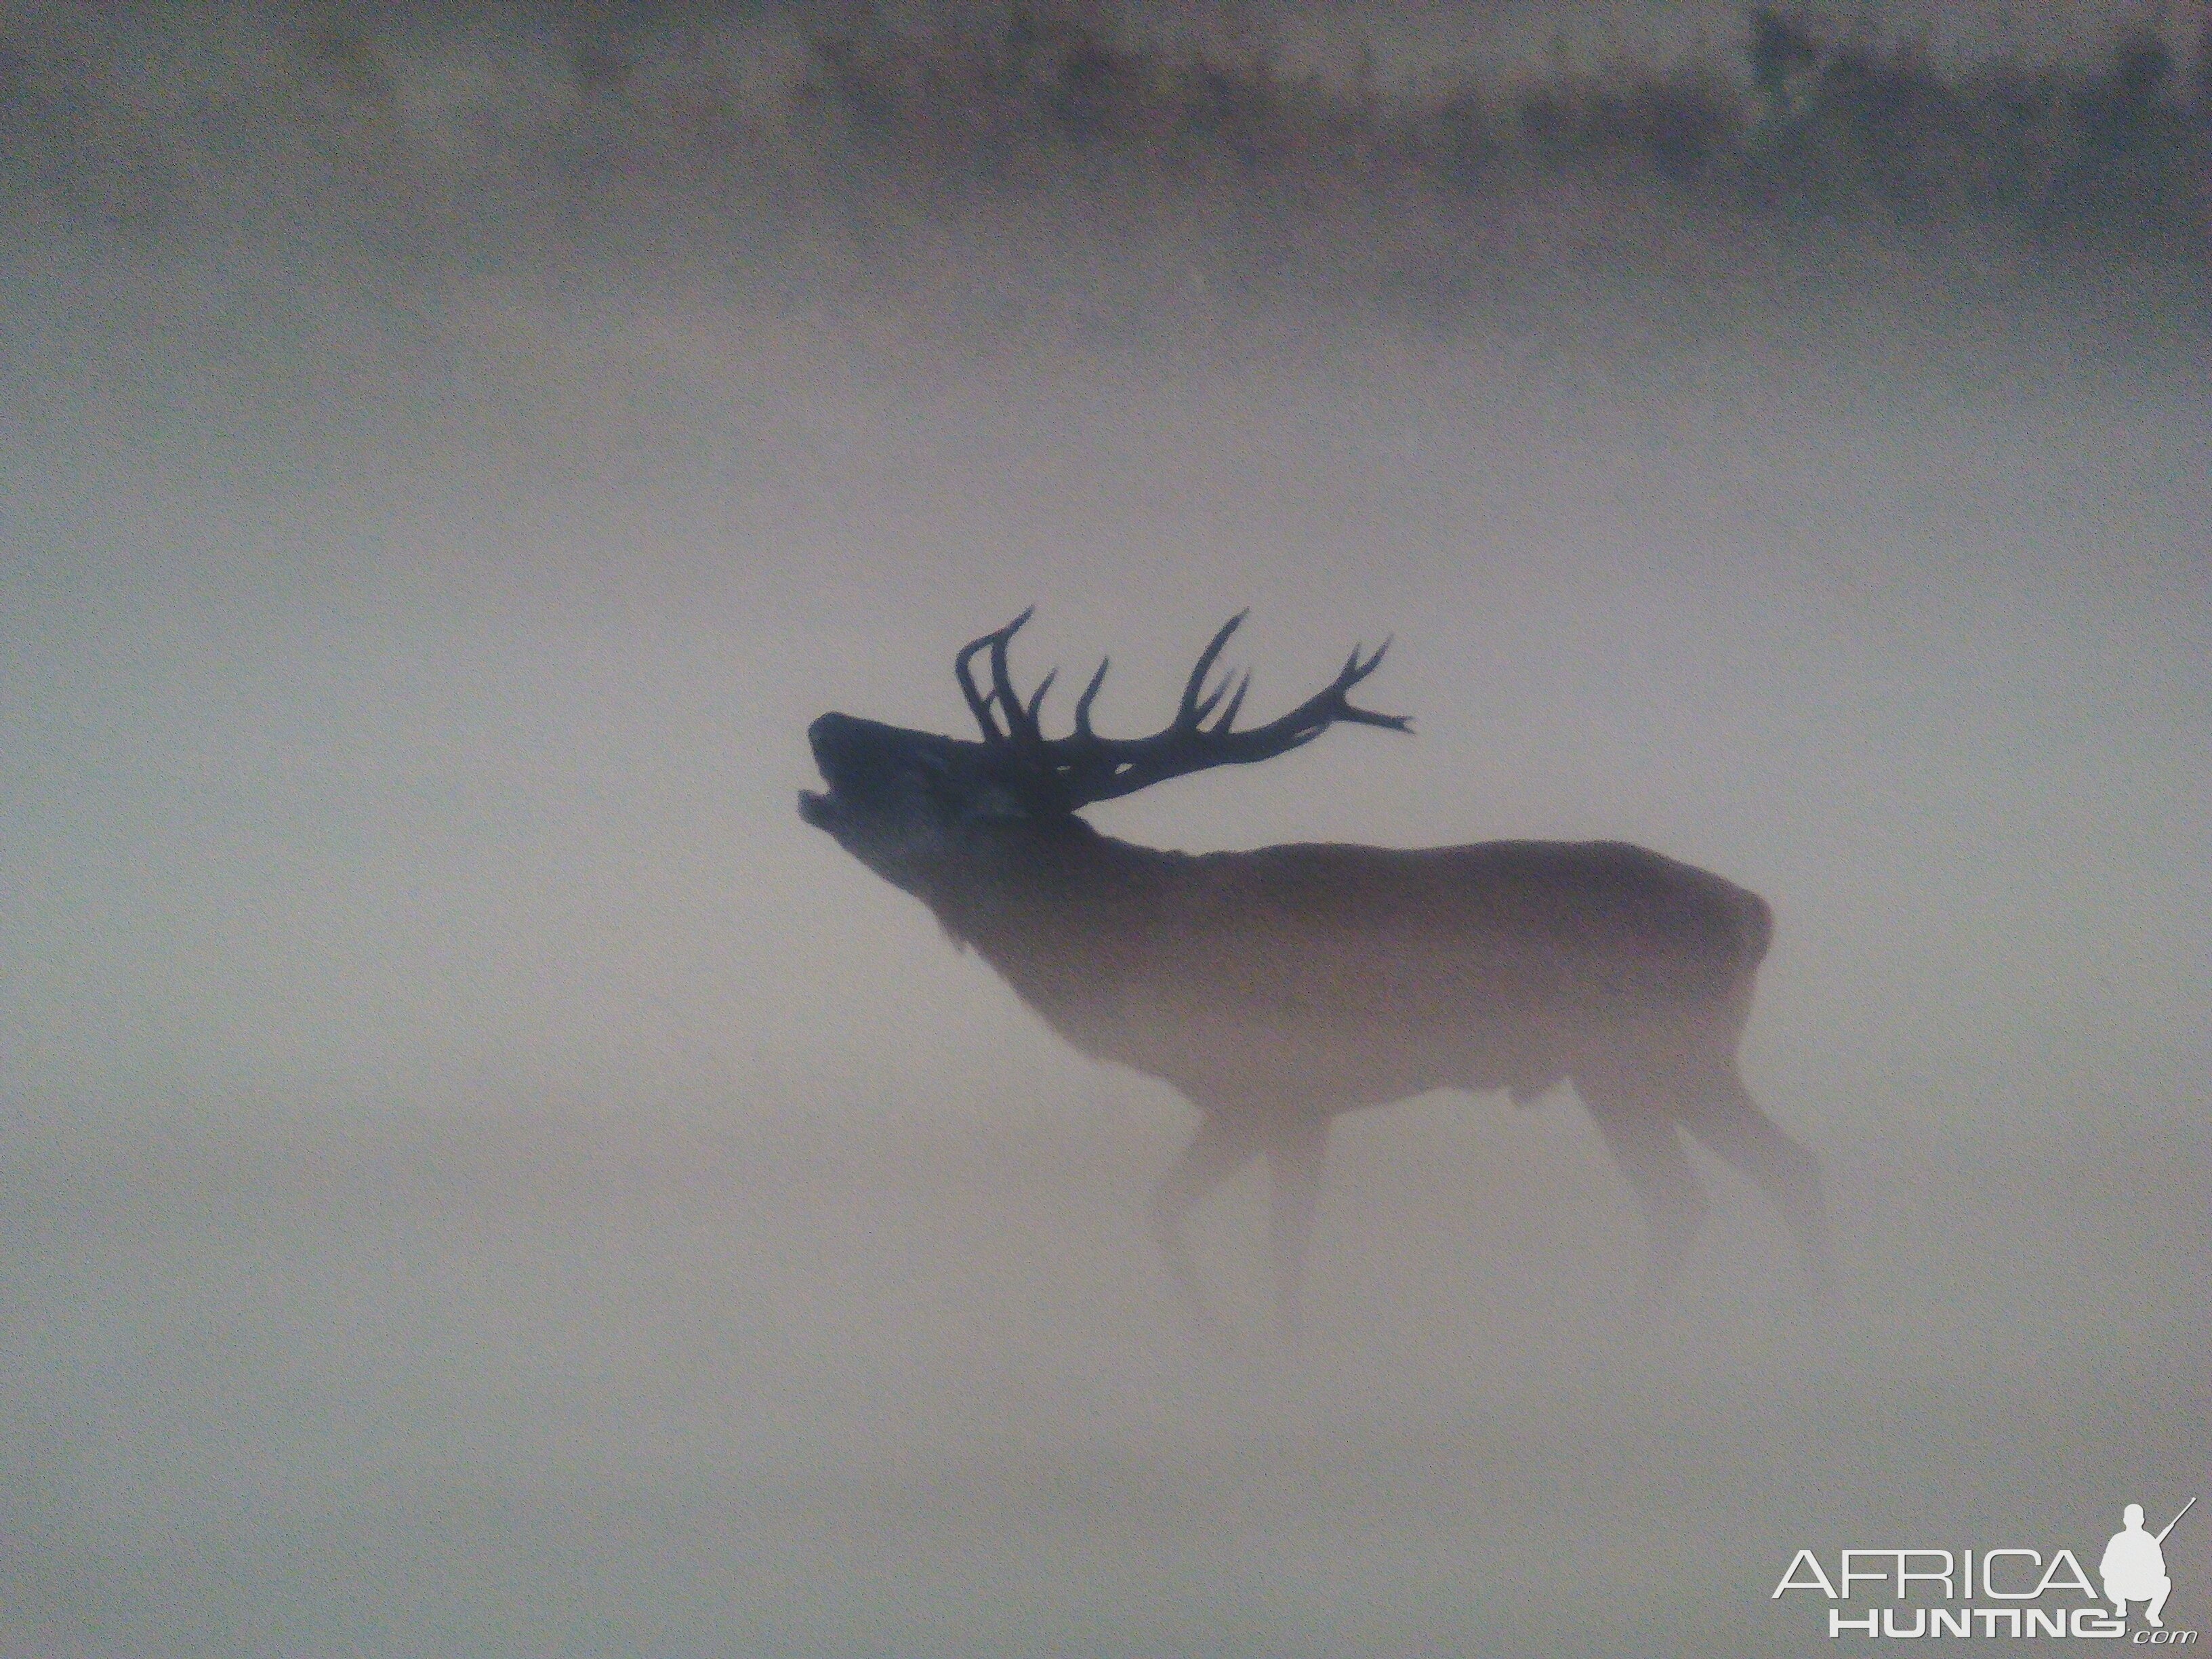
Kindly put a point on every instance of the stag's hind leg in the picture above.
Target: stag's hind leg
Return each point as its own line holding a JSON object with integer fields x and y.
{"x": 1716, "y": 1107}
{"x": 1637, "y": 1122}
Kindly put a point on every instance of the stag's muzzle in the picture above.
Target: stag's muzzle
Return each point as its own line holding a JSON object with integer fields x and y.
{"x": 862, "y": 761}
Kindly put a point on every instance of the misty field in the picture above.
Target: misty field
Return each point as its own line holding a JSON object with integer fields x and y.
{"x": 696, "y": 1380}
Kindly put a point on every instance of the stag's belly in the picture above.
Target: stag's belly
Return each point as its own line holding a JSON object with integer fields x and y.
{"x": 1368, "y": 1050}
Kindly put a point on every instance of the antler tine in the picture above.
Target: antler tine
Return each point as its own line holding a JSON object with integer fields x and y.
{"x": 1090, "y": 692}
{"x": 1229, "y": 714}
{"x": 1352, "y": 716}
{"x": 1036, "y": 701}
{"x": 978, "y": 703}
{"x": 1021, "y": 722}
{"x": 1189, "y": 713}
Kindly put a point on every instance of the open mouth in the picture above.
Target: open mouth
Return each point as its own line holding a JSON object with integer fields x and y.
{"x": 817, "y": 807}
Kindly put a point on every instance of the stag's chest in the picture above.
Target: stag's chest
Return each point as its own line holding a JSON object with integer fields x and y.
{"x": 1198, "y": 963}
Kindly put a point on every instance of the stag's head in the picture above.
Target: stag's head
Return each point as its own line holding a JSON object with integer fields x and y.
{"x": 906, "y": 803}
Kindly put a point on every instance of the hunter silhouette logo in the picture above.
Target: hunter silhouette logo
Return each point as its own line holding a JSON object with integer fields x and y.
{"x": 2009, "y": 1591}
{"x": 2134, "y": 1566}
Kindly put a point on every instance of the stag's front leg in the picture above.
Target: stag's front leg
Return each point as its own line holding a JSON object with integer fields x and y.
{"x": 1223, "y": 1145}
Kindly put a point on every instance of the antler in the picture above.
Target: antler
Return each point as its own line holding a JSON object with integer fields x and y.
{"x": 1087, "y": 768}
{"x": 979, "y": 702}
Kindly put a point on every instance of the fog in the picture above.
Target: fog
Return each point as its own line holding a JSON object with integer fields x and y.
{"x": 479, "y": 1175}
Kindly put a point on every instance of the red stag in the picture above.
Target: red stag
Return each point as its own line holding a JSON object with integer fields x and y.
{"x": 1275, "y": 988}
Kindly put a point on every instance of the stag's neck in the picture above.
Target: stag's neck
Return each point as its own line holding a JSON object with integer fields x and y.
{"x": 1060, "y": 910}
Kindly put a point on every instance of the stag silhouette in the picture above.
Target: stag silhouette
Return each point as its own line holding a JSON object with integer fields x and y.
{"x": 1277, "y": 987}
